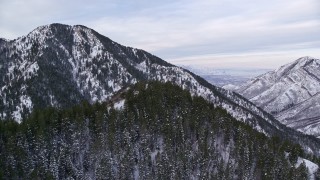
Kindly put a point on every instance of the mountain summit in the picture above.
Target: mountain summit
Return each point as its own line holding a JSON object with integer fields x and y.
{"x": 60, "y": 65}
{"x": 291, "y": 93}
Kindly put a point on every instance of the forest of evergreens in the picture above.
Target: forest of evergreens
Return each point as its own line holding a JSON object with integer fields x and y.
{"x": 162, "y": 132}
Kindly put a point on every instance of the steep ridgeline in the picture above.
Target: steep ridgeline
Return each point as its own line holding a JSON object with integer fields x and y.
{"x": 291, "y": 93}
{"x": 161, "y": 132}
{"x": 60, "y": 66}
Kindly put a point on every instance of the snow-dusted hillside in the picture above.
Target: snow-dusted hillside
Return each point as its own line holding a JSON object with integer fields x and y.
{"x": 59, "y": 65}
{"x": 290, "y": 93}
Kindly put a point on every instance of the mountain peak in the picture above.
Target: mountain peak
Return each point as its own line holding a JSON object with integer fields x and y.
{"x": 57, "y": 29}
{"x": 306, "y": 58}
{"x": 305, "y": 61}
{"x": 296, "y": 65}
{"x": 57, "y": 25}
{"x": 60, "y": 26}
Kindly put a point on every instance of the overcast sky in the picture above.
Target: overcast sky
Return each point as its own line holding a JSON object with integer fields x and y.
{"x": 218, "y": 33}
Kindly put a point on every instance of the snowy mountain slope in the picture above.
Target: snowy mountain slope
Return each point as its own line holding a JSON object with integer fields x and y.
{"x": 290, "y": 93}
{"x": 304, "y": 116}
{"x": 59, "y": 65}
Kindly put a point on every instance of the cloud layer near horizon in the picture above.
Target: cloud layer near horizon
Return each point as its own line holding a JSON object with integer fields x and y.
{"x": 183, "y": 28}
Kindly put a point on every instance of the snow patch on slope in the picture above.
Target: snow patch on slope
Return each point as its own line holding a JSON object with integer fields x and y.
{"x": 119, "y": 105}
{"x": 312, "y": 167}
{"x": 25, "y": 102}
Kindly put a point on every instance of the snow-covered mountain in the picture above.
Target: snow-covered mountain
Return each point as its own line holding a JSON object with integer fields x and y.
{"x": 291, "y": 93}
{"x": 60, "y": 65}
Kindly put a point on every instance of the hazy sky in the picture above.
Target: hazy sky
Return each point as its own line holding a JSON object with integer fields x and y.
{"x": 218, "y": 33}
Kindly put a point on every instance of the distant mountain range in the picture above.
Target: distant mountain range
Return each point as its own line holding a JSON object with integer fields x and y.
{"x": 291, "y": 93}
{"x": 62, "y": 66}
{"x": 221, "y": 77}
